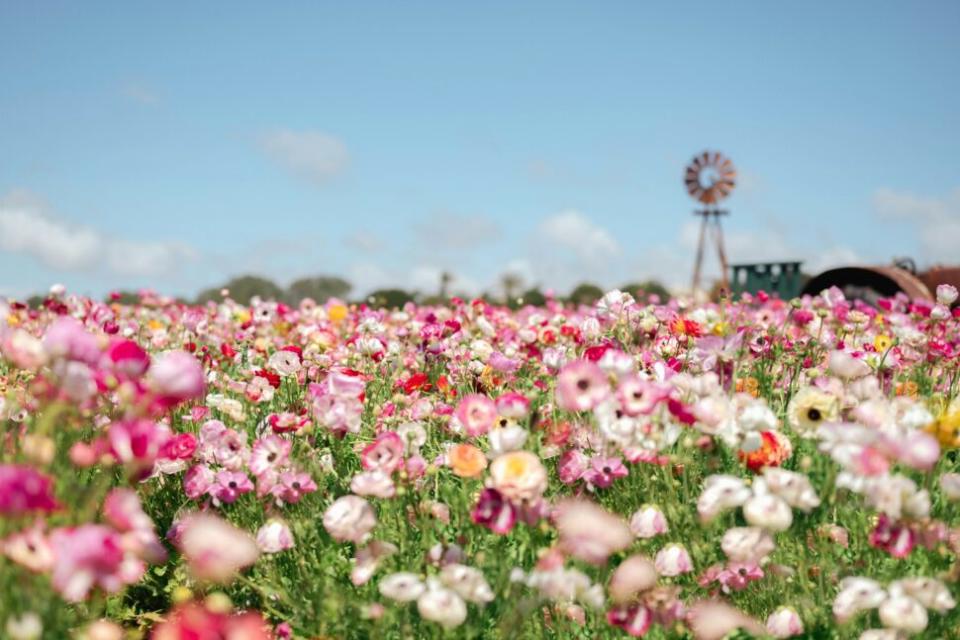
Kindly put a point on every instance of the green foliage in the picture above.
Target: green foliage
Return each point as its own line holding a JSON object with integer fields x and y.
{"x": 643, "y": 290}
{"x": 585, "y": 293}
{"x": 317, "y": 288}
{"x": 243, "y": 289}
{"x": 389, "y": 298}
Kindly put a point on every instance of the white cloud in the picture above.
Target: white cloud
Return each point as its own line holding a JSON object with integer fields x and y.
{"x": 448, "y": 230}
{"x": 27, "y": 228}
{"x": 364, "y": 241}
{"x": 572, "y": 230}
{"x": 312, "y": 155}
{"x": 425, "y": 278}
{"x": 140, "y": 94}
{"x": 936, "y": 220}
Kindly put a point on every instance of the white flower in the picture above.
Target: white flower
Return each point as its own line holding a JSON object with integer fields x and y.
{"x": 648, "y": 522}
{"x": 286, "y": 363}
{"x": 402, "y": 587}
{"x": 368, "y": 559}
{"x": 950, "y": 485}
{"x": 903, "y": 612}
{"x": 929, "y": 592}
{"x": 274, "y": 536}
{"x": 768, "y": 512}
{"x": 946, "y": 294}
{"x": 883, "y": 634}
{"x": 794, "y": 488}
{"x": 747, "y": 544}
{"x": 349, "y": 518}
{"x": 785, "y": 622}
{"x": 28, "y": 626}
{"x": 442, "y": 605}
{"x": 721, "y": 492}
{"x": 215, "y": 549}
{"x": 857, "y": 594}
{"x": 468, "y": 582}
{"x": 506, "y": 439}
{"x": 376, "y": 483}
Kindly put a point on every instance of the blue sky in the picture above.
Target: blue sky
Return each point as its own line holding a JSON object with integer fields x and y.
{"x": 175, "y": 144}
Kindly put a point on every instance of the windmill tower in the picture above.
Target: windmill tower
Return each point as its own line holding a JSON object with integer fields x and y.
{"x": 709, "y": 178}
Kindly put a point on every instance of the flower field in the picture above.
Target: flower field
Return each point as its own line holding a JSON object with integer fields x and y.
{"x": 749, "y": 468}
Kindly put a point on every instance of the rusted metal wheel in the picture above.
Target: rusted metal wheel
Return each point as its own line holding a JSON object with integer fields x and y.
{"x": 710, "y": 177}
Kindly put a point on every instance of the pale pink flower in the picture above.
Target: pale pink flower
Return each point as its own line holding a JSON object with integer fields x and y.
{"x": 673, "y": 560}
{"x": 477, "y": 413}
{"x": 648, "y": 522}
{"x": 785, "y": 622}
{"x": 274, "y": 536}
{"x": 375, "y": 483}
{"x": 589, "y": 532}
{"x": 349, "y": 519}
{"x": 269, "y": 453}
{"x": 581, "y": 386}
{"x": 385, "y": 453}
{"x": 89, "y": 556}
{"x": 230, "y": 485}
{"x": 176, "y": 376}
{"x": 198, "y": 480}
{"x": 293, "y": 485}
{"x": 215, "y": 549}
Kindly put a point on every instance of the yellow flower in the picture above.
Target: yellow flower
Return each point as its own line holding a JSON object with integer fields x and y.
{"x": 882, "y": 342}
{"x": 13, "y": 320}
{"x": 155, "y": 325}
{"x": 946, "y": 428}
{"x": 810, "y": 408}
{"x": 337, "y": 313}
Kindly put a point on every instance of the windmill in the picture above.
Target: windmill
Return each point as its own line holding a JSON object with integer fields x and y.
{"x": 709, "y": 178}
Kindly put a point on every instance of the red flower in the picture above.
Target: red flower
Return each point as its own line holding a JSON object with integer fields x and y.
{"x": 271, "y": 377}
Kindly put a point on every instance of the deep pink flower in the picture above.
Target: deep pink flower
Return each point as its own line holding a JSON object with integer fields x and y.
{"x": 895, "y": 538}
{"x": 123, "y": 510}
{"x": 581, "y": 385}
{"x": 179, "y": 447}
{"x": 736, "y": 576}
{"x": 477, "y": 413}
{"x": 137, "y": 442}
{"x": 494, "y": 512}
{"x": 230, "y": 485}
{"x": 513, "y": 405}
{"x": 23, "y": 489}
{"x": 635, "y": 619}
{"x": 572, "y": 465}
{"x": 127, "y": 359}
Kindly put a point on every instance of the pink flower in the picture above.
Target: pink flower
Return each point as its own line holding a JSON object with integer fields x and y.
{"x": 66, "y": 338}
{"x": 590, "y": 532}
{"x": 23, "y": 489}
{"x": 179, "y": 447}
{"x": 894, "y": 538}
{"x": 292, "y": 486}
{"x": 230, "y": 485}
{"x": 122, "y": 509}
{"x": 603, "y": 471}
{"x": 634, "y": 619}
{"x": 29, "y": 548}
{"x": 673, "y": 560}
{"x": 494, "y": 512}
{"x": 137, "y": 443}
{"x": 581, "y": 385}
{"x": 274, "y": 536}
{"x": 127, "y": 359}
{"x": 198, "y": 480}
{"x": 89, "y": 556}
{"x": 176, "y": 376}
{"x": 648, "y": 522}
{"x": 374, "y": 483}
{"x": 639, "y": 397}
{"x": 349, "y": 519}
{"x": 215, "y": 549}
{"x": 385, "y": 453}
{"x": 269, "y": 453}
{"x": 513, "y": 405}
{"x": 736, "y": 576}
{"x": 572, "y": 465}
{"x": 477, "y": 413}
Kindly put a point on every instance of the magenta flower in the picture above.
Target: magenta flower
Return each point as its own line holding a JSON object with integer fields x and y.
{"x": 137, "y": 443}
{"x": 127, "y": 359}
{"x": 477, "y": 413}
{"x": 581, "y": 386}
{"x": 89, "y": 556}
{"x": 513, "y": 405}
{"x": 736, "y": 576}
{"x": 572, "y": 465}
{"x": 23, "y": 489}
{"x": 634, "y": 619}
{"x": 494, "y": 512}
{"x": 182, "y": 446}
{"x": 268, "y": 454}
{"x": 230, "y": 485}
{"x": 893, "y": 537}
{"x": 123, "y": 510}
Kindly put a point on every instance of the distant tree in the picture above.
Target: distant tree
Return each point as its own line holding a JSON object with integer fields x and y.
{"x": 318, "y": 288}
{"x": 124, "y": 297}
{"x": 389, "y": 298}
{"x": 446, "y": 279}
{"x": 35, "y": 302}
{"x": 585, "y": 293}
{"x": 511, "y": 282}
{"x": 534, "y": 297}
{"x": 243, "y": 289}
{"x": 643, "y": 290}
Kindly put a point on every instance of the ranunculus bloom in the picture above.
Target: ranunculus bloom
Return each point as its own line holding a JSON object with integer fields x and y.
{"x": 519, "y": 475}
{"x": 349, "y": 519}
{"x": 785, "y": 622}
{"x": 402, "y": 587}
{"x": 442, "y": 605}
{"x": 648, "y": 522}
{"x": 215, "y": 549}
{"x": 589, "y": 532}
{"x": 494, "y": 512}
{"x": 176, "y": 376}
{"x": 89, "y": 556}
{"x": 634, "y": 575}
{"x": 193, "y": 620}
{"x": 274, "y": 536}
{"x": 673, "y": 560}
{"x": 581, "y": 386}
{"x": 269, "y": 453}
{"x": 768, "y": 512}
{"x": 385, "y": 453}
{"x": 477, "y": 413}
{"x": 137, "y": 442}
{"x": 23, "y": 490}
{"x": 466, "y": 460}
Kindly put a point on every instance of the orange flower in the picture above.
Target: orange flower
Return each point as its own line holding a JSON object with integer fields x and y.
{"x": 748, "y": 385}
{"x": 686, "y": 327}
{"x": 774, "y": 449}
{"x": 467, "y": 461}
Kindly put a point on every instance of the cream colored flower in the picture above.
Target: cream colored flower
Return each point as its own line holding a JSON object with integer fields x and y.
{"x": 519, "y": 475}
